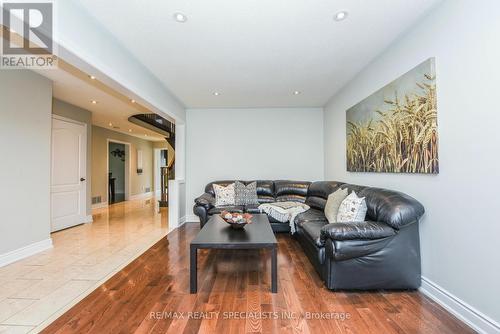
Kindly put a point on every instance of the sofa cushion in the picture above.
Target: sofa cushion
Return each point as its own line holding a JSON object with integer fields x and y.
{"x": 353, "y": 231}
{"x": 313, "y": 231}
{"x": 209, "y": 188}
{"x": 391, "y": 207}
{"x": 264, "y": 187}
{"x": 318, "y": 192}
{"x": 265, "y": 199}
{"x": 252, "y": 208}
{"x": 333, "y": 204}
{"x": 224, "y": 195}
{"x": 291, "y": 191}
{"x": 291, "y": 198}
{"x": 311, "y": 215}
{"x": 245, "y": 194}
{"x": 352, "y": 209}
{"x": 230, "y": 208}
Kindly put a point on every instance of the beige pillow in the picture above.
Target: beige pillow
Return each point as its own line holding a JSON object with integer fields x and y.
{"x": 333, "y": 203}
{"x": 224, "y": 195}
{"x": 352, "y": 209}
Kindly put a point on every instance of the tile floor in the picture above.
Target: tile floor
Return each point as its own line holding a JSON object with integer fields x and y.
{"x": 37, "y": 290}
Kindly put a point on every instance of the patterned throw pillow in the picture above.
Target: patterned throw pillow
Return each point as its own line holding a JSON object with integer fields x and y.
{"x": 224, "y": 195}
{"x": 333, "y": 204}
{"x": 352, "y": 209}
{"x": 245, "y": 195}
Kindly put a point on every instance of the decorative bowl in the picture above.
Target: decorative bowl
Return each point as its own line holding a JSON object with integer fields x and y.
{"x": 236, "y": 220}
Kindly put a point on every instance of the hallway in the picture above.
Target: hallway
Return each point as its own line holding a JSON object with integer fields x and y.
{"x": 38, "y": 289}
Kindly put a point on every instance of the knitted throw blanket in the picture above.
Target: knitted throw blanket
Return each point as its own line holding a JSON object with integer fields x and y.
{"x": 284, "y": 211}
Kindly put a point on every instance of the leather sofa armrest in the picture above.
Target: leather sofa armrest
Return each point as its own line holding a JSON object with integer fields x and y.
{"x": 206, "y": 200}
{"x": 355, "y": 231}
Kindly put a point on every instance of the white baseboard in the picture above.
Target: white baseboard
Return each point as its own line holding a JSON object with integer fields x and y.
{"x": 23, "y": 252}
{"x": 100, "y": 205}
{"x": 189, "y": 219}
{"x": 141, "y": 196}
{"x": 466, "y": 313}
{"x": 88, "y": 219}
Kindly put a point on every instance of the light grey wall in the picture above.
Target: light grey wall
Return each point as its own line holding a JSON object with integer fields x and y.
{"x": 25, "y": 130}
{"x": 460, "y": 231}
{"x": 138, "y": 182}
{"x": 249, "y": 144}
{"x": 78, "y": 114}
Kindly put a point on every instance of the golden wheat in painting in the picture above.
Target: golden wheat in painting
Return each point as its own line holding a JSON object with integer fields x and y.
{"x": 395, "y": 129}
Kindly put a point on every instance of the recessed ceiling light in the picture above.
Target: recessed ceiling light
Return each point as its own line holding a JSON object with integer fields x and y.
{"x": 129, "y": 130}
{"x": 296, "y": 92}
{"x": 110, "y": 124}
{"x": 179, "y": 17}
{"x": 340, "y": 16}
{"x": 216, "y": 93}
{"x": 93, "y": 102}
{"x": 92, "y": 77}
{"x": 145, "y": 135}
{"x": 133, "y": 101}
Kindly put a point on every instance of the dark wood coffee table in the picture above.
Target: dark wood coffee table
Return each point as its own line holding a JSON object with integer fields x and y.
{"x": 217, "y": 234}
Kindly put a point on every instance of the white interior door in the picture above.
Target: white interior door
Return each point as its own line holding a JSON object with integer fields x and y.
{"x": 68, "y": 191}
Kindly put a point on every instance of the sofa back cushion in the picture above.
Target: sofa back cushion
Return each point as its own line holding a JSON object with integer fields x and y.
{"x": 318, "y": 193}
{"x": 265, "y": 191}
{"x": 388, "y": 206}
{"x": 295, "y": 191}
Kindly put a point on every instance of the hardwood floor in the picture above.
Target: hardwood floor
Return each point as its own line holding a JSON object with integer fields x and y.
{"x": 151, "y": 295}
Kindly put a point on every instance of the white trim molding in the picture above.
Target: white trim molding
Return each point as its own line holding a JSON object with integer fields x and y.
{"x": 189, "y": 219}
{"x": 88, "y": 219}
{"x": 23, "y": 252}
{"x": 100, "y": 205}
{"x": 141, "y": 196}
{"x": 463, "y": 311}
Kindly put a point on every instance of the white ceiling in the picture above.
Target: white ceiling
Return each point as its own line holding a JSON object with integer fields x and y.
{"x": 256, "y": 52}
{"x": 109, "y": 109}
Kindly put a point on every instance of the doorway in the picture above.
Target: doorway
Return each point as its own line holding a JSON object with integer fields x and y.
{"x": 118, "y": 171}
{"x": 160, "y": 160}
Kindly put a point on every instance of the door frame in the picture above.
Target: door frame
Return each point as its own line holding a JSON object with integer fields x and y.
{"x": 128, "y": 150}
{"x": 157, "y": 172}
{"x": 86, "y": 218}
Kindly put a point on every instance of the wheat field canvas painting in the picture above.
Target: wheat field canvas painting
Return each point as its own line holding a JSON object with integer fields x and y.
{"x": 394, "y": 130}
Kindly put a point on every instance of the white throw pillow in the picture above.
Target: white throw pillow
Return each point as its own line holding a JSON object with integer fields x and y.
{"x": 352, "y": 209}
{"x": 224, "y": 195}
{"x": 333, "y": 204}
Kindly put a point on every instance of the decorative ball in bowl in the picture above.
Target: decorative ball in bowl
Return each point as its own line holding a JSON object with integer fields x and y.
{"x": 236, "y": 220}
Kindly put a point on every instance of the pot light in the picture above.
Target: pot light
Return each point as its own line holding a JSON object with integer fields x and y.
{"x": 340, "y": 16}
{"x": 296, "y": 92}
{"x": 145, "y": 135}
{"x": 132, "y": 101}
{"x": 110, "y": 124}
{"x": 93, "y": 102}
{"x": 92, "y": 77}
{"x": 179, "y": 17}
{"x": 129, "y": 130}
{"x": 216, "y": 93}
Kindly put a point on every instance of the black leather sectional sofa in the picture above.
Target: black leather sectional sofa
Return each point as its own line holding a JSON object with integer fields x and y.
{"x": 381, "y": 253}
